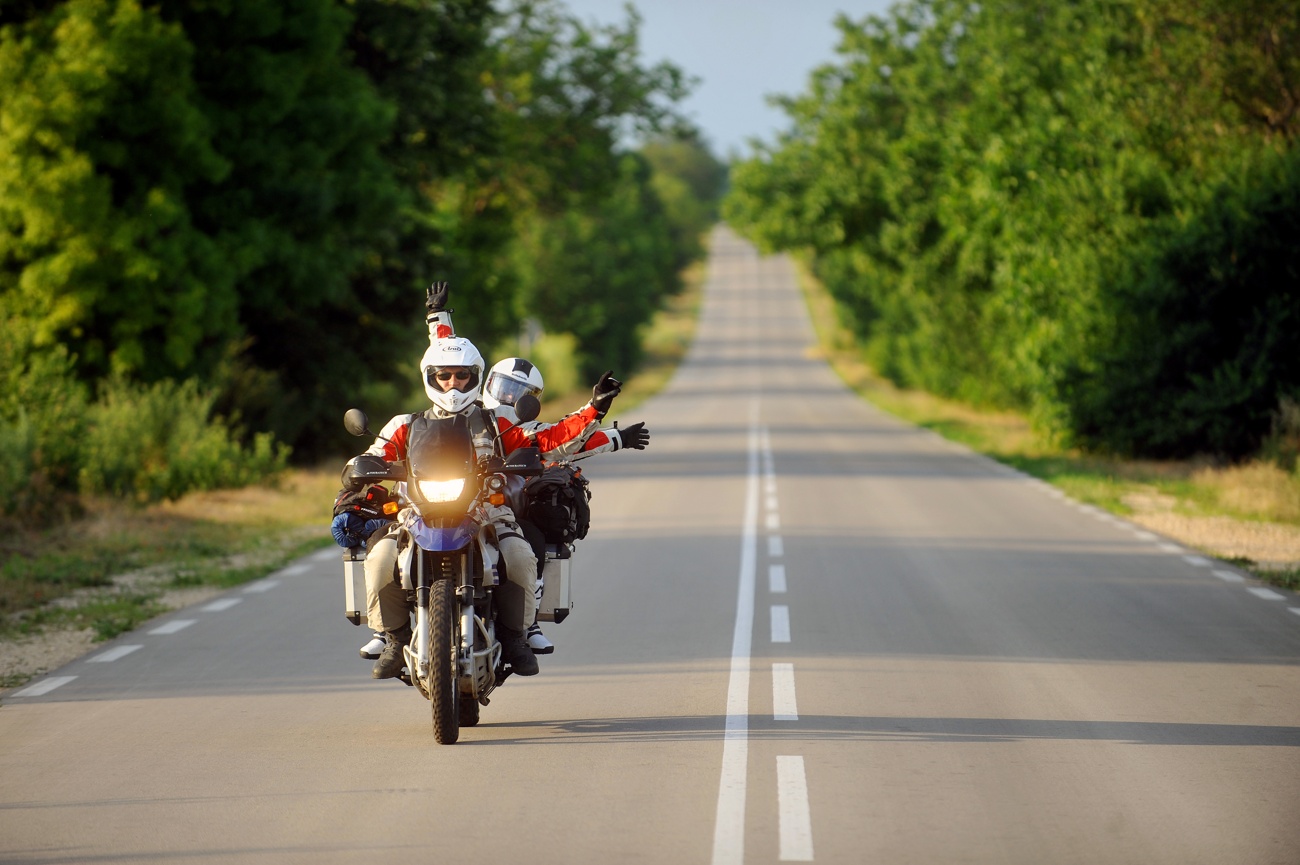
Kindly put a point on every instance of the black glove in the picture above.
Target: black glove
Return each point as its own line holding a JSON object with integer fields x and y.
{"x": 602, "y": 395}
{"x": 436, "y": 301}
{"x": 636, "y": 436}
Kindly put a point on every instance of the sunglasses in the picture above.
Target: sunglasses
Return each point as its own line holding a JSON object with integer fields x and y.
{"x": 448, "y": 375}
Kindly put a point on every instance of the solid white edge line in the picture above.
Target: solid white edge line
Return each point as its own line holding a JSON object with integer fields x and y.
{"x": 792, "y": 804}
{"x": 776, "y": 579}
{"x": 729, "y": 827}
{"x": 784, "y": 705}
{"x": 780, "y": 623}
{"x": 113, "y": 654}
{"x": 1266, "y": 594}
{"x": 40, "y": 689}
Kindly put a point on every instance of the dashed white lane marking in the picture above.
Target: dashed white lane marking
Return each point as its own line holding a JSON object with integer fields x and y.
{"x": 1295, "y": 610}
{"x": 261, "y": 586}
{"x": 294, "y": 570}
{"x": 772, "y": 503}
{"x": 784, "y": 705}
{"x": 1266, "y": 594}
{"x": 776, "y": 579}
{"x": 223, "y": 604}
{"x": 1169, "y": 548}
{"x": 325, "y": 554}
{"x": 173, "y": 626}
{"x": 1229, "y": 576}
{"x": 780, "y": 623}
{"x": 792, "y": 804}
{"x": 773, "y": 521}
{"x": 1144, "y": 535}
{"x": 113, "y": 654}
{"x": 775, "y": 549}
{"x": 729, "y": 825}
{"x": 42, "y": 688}
{"x": 1197, "y": 561}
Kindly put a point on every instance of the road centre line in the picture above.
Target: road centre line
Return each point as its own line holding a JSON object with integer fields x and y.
{"x": 780, "y": 623}
{"x": 729, "y": 825}
{"x": 784, "y": 705}
{"x": 42, "y": 688}
{"x": 776, "y": 579}
{"x": 792, "y": 805}
{"x": 114, "y": 654}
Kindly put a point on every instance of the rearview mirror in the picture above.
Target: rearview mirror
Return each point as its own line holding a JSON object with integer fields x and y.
{"x": 527, "y": 408}
{"x": 356, "y": 422}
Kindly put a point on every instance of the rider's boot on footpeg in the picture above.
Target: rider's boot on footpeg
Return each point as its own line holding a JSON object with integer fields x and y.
{"x": 390, "y": 663}
{"x": 516, "y": 653}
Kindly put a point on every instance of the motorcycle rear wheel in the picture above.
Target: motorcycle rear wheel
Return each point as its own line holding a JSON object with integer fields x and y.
{"x": 444, "y": 646}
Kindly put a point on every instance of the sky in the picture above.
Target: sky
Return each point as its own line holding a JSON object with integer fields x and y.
{"x": 741, "y": 50}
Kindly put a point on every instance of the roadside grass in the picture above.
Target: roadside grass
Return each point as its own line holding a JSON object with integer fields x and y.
{"x": 1259, "y": 496}
{"x": 110, "y": 569}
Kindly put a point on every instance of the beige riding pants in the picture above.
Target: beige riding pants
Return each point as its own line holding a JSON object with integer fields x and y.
{"x": 387, "y": 608}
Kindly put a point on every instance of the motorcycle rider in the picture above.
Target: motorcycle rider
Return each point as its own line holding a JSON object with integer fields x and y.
{"x": 507, "y": 382}
{"x": 452, "y": 370}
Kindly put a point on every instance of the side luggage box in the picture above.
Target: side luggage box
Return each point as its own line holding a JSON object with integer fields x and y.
{"x": 354, "y": 585}
{"x": 557, "y": 584}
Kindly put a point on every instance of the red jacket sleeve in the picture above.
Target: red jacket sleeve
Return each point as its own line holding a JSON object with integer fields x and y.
{"x": 548, "y": 438}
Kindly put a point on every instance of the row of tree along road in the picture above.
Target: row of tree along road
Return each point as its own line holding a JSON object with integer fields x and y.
{"x": 217, "y": 218}
{"x": 1088, "y": 211}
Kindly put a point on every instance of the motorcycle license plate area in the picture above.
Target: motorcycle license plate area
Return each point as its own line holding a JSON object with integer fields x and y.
{"x": 557, "y": 585}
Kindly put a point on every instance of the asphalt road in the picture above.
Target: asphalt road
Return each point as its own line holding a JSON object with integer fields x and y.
{"x": 804, "y": 631}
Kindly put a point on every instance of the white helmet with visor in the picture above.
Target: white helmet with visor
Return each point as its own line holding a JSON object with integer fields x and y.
{"x": 510, "y": 379}
{"x": 456, "y": 365}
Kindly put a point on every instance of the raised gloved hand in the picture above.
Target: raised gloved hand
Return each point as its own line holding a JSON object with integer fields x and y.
{"x": 351, "y": 530}
{"x": 602, "y": 395}
{"x": 436, "y": 301}
{"x": 636, "y": 436}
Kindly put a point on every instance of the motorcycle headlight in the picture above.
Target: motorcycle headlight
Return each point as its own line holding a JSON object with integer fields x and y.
{"x": 441, "y": 491}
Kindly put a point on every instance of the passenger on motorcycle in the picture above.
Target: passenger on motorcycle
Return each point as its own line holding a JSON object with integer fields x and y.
{"x": 452, "y": 370}
{"x": 507, "y": 382}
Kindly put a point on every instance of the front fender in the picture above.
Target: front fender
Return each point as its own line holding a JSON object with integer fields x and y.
{"x": 445, "y": 536}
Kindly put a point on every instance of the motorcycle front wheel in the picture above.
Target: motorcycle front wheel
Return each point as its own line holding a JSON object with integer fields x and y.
{"x": 444, "y": 646}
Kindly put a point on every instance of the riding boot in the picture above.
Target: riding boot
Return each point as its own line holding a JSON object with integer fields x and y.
{"x": 516, "y": 653}
{"x": 391, "y": 661}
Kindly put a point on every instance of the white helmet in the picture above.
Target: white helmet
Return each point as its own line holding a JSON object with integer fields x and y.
{"x": 453, "y": 351}
{"x": 510, "y": 379}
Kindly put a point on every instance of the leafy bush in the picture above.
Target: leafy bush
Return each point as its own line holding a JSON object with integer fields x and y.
{"x": 150, "y": 442}
{"x": 1203, "y": 354}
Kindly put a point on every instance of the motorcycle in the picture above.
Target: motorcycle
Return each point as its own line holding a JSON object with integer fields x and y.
{"x": 453, "y": 566}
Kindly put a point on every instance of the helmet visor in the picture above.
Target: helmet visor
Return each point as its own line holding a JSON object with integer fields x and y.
{"x": 506, "y": 390}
